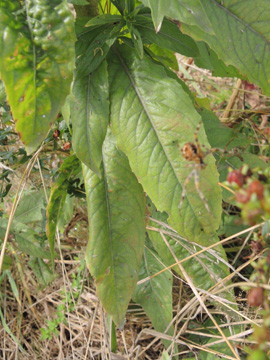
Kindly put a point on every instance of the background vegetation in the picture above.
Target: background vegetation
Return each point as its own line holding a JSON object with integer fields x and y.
{"x": 143, "y": 158}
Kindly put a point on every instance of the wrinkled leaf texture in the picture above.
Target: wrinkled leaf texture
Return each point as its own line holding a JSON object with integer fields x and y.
{"x": 116, "y": 209}
{"x": 36, "y": 63}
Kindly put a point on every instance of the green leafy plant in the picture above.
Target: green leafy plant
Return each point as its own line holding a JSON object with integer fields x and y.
{"x": 69, "y": 299}
{"x": 110, "y": 72}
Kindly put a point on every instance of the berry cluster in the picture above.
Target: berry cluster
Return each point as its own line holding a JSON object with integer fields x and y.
{"x": 252, "y": 193}
{"x": 257, "y": 297}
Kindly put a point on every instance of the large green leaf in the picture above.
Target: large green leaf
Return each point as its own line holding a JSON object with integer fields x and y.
{"x": 69, "y": 168}
{"x": 90, "y": 116}
{"x": 116, "y": 208}
{"x": 152, "y": 118}
{"x": 188, "y": 11}
{"x": 241, "y": 36}
{"x": 155, "y": 295}
{"x": 36, "y": 63}
{"x": 169, "y": 36}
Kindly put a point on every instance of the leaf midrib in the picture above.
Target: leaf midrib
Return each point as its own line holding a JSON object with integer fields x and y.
{"x": 149, "y": 117}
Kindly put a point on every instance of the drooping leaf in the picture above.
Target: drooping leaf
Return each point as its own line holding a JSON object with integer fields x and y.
{"x": 36, "y": 63}
{"x": 30, "y": 207}
{"x": 152, "y": 118}
{"x": 155, "y": 295}
{"x": 187, "y": 11}
{"x": 93, "y": 46}
{"x": 241, "y": 36}
{"x": 158, "y": 10}
{"x": 116, "y": 209}
{"x": 90, "y": 116}
{"x": 169, "y": 36}
{"x": 69, "y": 168}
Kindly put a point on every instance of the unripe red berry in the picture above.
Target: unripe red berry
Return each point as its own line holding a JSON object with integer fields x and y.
{"x": 56, "y": 134}
{"x": 242, "y": 197}
{"x": 237, "y": 177}
{"x": 67, "y": 145}
{"x": 256, "y": 187}
{"x": 255, "y": 297}
{"x": 254, "y": 216}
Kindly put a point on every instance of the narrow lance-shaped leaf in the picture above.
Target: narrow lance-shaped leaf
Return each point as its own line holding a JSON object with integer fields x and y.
{"x": 169, "y": 36}
{"x": 155, "y": 295}
{"x": 158, "y": 9}
{"x": 90, "y": 116}
{"x": 116, "y": 208}
{"x": 241, "y": 36}
{"x": 152, "y": 118}
{"x": 36, "y": 63}
{"x": 93, "y": 46}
